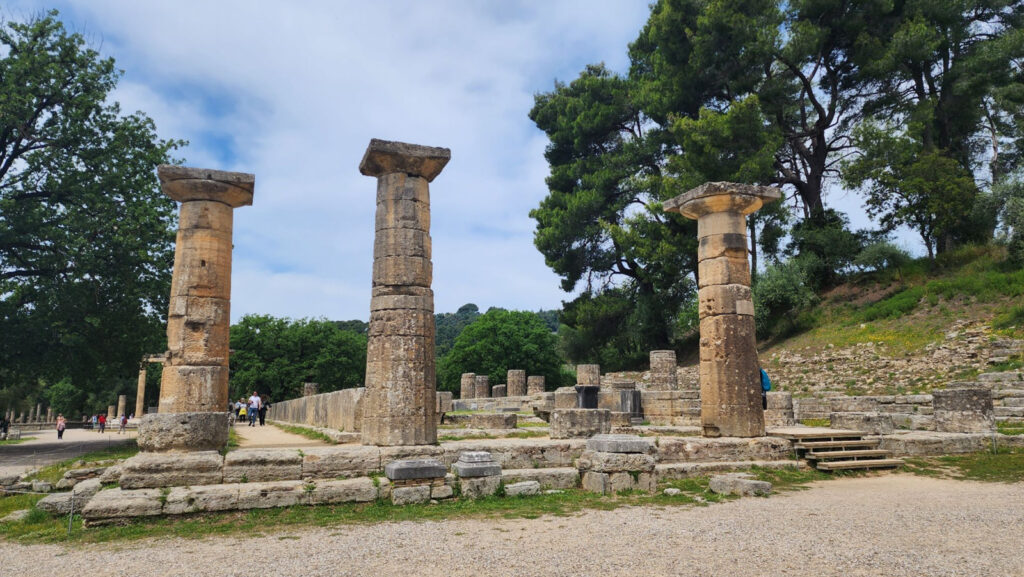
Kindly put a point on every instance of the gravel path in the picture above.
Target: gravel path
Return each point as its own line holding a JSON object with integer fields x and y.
{"x": 892, "y": 525}
{"x": 44, "y": 448}
{"x": 269, "y": 436}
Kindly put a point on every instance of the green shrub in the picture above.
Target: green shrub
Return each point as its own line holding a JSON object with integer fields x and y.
{"x": 883, "y": 255}
{"x": 780, "y": 294}
{"x": 893, "y": 307}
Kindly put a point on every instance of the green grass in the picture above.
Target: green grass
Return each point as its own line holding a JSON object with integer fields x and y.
{"x": 529, "y": 424}
{"x": 1005, "y": 465}
{"x": 54, "y": 473}
{"x": 12, "y": 441}
{"x": 816, "y": 422}
{"x": 1010, "y": 428}
{"x": 40, "y": 528}
{"x": 308, "y": 433}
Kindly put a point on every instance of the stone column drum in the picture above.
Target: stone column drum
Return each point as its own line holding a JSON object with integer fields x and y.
{"x": 729, "y": 384}
{"x": 467, "y": 386}
{"x": 122, "y": 404}
{"x": 140, "y": 392}
{"x": 399, "y": 406}
{"x": 39, "y": 412}
{"x": 516, "y": 383}
{"x": 663, "y": 371}
{"x": 482, "y": 387}
{"x": 194, "y": 381}
{"x": 111, "y": 414}
{"x": 535, "y": 384}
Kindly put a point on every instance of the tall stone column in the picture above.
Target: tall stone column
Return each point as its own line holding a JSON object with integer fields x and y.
{"x": 730, "y": 386}
{"x": 482, "y": 387}
{"x": 49, "y": 414}
{"x": 111, "y": 414}
{"x": 140, "y": 393}
{"x": 39, "y": 412}
{"x": 467, "y": 386}
{"x": 194, "y": 382}
{"x": 516, "y": 381}
{"x": 399, "y": 406}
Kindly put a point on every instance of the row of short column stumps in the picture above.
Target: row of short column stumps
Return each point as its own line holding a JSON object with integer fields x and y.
{"x": 610, "y": 463}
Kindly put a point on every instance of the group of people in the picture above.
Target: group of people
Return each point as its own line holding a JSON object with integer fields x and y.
{"x": 252, "y": 409}
{"x": 99, "y": 423}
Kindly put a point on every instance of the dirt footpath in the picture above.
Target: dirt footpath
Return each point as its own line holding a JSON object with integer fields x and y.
{"x": 268, "y": 436}
{"x": 893, "y": 525}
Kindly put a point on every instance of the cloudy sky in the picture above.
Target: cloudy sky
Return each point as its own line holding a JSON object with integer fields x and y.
{"x": 294, "y": 91}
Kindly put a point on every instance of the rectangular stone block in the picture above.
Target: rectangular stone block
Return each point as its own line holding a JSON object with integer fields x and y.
{"x": 723, "y": 271}
{"x": 728, "y": 299}
{"x": 193, "y": 389}
{"x": 620, "y": 444}
{"x": 417, "y": 302}
{"x": 410, "y": 495}
{"x": 360, "y": 490}
{"x": 258, "y": 465}
{"x": 116, "y": 505}
{"x": 414, "y": 469}
{"x": 721, "y": 223}
{"x": 579, "y": 423}
{"x": 732, "y": 245}
{"x": 615, "y": 462}
{"x": 565, "y": 398}
{"x": 548, "y": 478}
{"x": 498, "y": 391}
{"x": 401, "y": 322}
{"x": 401, "y": 213}
{"x": 401, "y": 242}
{"x": 341, "y": 461}
{"x": 270, "y": 495}
{"x": 402, "y": 271}
{"x": 148, "y": 470}
{"x": 202, "y": 498}
{"x": 535, "y": 385}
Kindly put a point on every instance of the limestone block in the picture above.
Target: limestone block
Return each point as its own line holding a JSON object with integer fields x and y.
{"x": 725, "y": 299}
{"x": 741, "y": 484}
{"x": 414, "y": 469}
{"x": 401, "y": 242}
{"x": 467, "y": 386}
{"x": 444, "y": 402}
{"x": 479, "y": 487}
{"x": 498, "y": 391}
{"x": 410, "y": 298}
{"x": 402, "y": 203}
{"x": 384, "y": 158}
{"x": 401, "y": 322}
{"x": 854, "y": 405}
{"x": 632, "y": 481}
{"x": 723, "y": 271}
{"x": 874, "y": 423}
{"x": 579, "y": 423}
{"x": 202, "y": 498}
{"x": 441, "y": 492}
{"x": 257, "y": 465}
{"x": 535, "y": 385}
{"x": 620, "y": 419}
{"x": 195, "y": 431}
{"x": 977, "y": 399}
{"x": 272, "y": 494}
{"x": 399, "y": 453}
{"x": 359, "y": 490}
{"x": 546, "y": 478}
{"x": 402, "y": 270}
{"x": 202, "y": 266}
{"x": 588, "y": 375}
{"x": 410, "y": 495}
{"x": 516, "y": 383}
{"x": 964, "y": 421}
{"x": 596, "y": 482}
{"x": 601, "y": 462}
{"x": 565, "y": 398}
{"x": 42, "y": 486}
{"x": 146, "y": 470}
{"x": 664, "y": 375}
{"x": 60, "y": 503}
{"x": 341, "y": 461}
{"x": 695, "y": 449}
{"x": 186, "y": 184}
{"x": 194, "y": 389}
{"x": 520, "y": 453}
{"x": 482, "y": 387}
{"x": 476, "y": 464}
{"x": 609, "y": 399}
{"x": 620, "y": 444}
{"x": 522, "y": 489}
{"x": 732, "y": 245}
{"x": 116, "y": 505}
{"x": 493, "y": 420}
{"x": 780, "y": 400}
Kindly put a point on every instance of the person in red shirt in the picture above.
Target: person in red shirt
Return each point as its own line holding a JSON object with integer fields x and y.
{"x": 102, "y": 422}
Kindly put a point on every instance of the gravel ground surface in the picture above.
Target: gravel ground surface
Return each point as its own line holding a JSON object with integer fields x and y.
{"x": 892, "y": 525}
{"x": 44, "y": 448}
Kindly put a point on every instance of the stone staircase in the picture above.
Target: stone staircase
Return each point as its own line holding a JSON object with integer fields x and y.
{"x": 835, "y": 449}
{"x": 1005, "y": 349}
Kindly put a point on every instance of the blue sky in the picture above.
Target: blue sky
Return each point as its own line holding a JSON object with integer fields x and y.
{"x": 293, "y": 92}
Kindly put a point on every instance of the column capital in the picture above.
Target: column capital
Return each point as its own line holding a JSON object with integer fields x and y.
{"x": 386, "y": 157}
{"x": 722, "y": 197}
{"x": 185, "y": 184}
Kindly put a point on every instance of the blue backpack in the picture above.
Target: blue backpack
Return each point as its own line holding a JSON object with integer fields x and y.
{"x": 766, "y": 383}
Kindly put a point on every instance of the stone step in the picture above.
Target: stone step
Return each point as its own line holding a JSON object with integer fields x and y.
{"x": 1012, "y": 420}
{"x": 1007, "y": 393}
{"x": 815, "y": 434}
{"x": 686, "y": 470}
{"x": 1004, "y": 377}
{"x": 855, "y": 464}
{"x": 1008, "y": 412}
{"x": 853, "y": 445}
{"x": 1004, "y": 352}
{"x": 847, "y": 455}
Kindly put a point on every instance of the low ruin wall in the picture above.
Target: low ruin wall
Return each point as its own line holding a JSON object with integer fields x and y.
{"x": 341, "y": 410}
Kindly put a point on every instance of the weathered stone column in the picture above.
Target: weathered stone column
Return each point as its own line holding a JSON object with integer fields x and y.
{"x": 39, "y": 412}
{"x": 482, "y": 387}
{"x": 310, "y": 389}
{"x": 140, "y": 392}
{"x": 400, "y": 401}
{"x": 467, "y": 386}
{"x": 663, "y": 371}
{"x": 535, "y": 384}
{"x": 111, "y": 414}
{"x": 122, "y": 404}
{"x": 194, "y": 382}
{"x": 516, "y": 383}
{"x": 49, "y": 414}
{"x": 730, "y": 386}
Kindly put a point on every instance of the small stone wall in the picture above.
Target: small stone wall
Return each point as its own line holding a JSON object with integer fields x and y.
{"x": 341, "y": 410}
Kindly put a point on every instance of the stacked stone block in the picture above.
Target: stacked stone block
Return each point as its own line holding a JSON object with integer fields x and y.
{"x": 516, "y": 383}
{"x": 730, "y": 387}
{"x": 663, "y": 371}
{"x": 399, "y": 405}
{"x": 613, "y": 463}
{"x": 417, "y": 481}
{"x": 479, "y": 475}
{"x": 482, "y": 387}
{"x": 467, "y": 386}
{"x": 498, "y": 391}
{"x": 780, "y": 410}
{"x": 535, "y": 385}
{"x": 579, "y": 423}
{"x": 964, "y": 410}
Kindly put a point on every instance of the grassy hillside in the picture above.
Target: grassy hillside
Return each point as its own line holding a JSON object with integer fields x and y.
{"x": 903, "y": 331}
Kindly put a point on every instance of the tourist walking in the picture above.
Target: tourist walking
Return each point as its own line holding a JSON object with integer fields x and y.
{"x": 264, "y": 405}
{"x": 124, "y": 425}
{"x": 766, "y": 385}
{"x": 102, "y": 421}
{"x": 242, "y": 409}
{"x": 94, "y": 422}
{"x": 254, "y": 408}
{"x": 61, "y": 425}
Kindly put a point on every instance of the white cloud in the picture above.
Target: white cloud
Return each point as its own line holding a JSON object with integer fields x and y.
{"x": 293, "y": 92}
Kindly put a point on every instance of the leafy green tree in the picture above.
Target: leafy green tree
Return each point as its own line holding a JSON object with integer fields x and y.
{"x": 450, "y": 325}
{"x": 86, "y": 237}
{"x": 275, "y": 356}
{"x": 882, "y": 255}
{"x": 781, "y": 292}
{"x": 498, "y": 341}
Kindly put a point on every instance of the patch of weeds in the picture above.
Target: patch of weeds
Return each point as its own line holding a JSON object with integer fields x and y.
{"x": 530, "y": 424}
{"x": 472, "y": 437}
{"x": 816, "y": 422}
{"x": 12, "y": 441}
{"x": 1003, "y": 465}
{"x": 1007, "y": 428}
{"x": 1013, "y": 318}
{"x": 789, "y": 478}
{"x": 164, "y": 492}
{"x": 305, "y": 432}
{"x": 526, "y": 434}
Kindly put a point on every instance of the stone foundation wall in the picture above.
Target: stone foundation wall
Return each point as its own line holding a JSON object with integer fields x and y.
{"x": 821, "y": 408}
{"x": 341, "y": 410}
